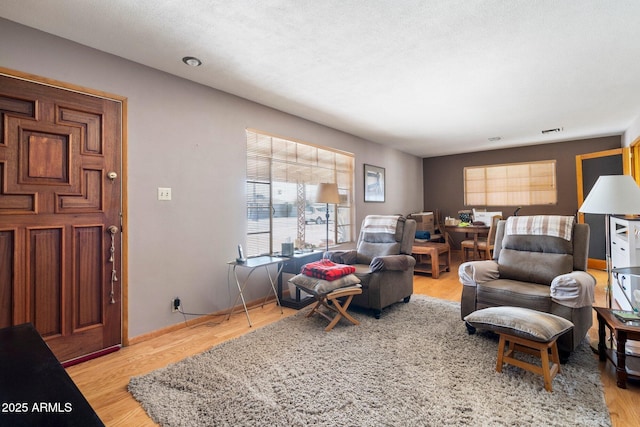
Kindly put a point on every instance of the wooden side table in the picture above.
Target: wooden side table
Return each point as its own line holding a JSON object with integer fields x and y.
{"x": 627, "y": 366}
{"x": 434, "y": 251}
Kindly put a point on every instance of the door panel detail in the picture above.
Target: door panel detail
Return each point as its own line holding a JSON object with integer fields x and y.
{"x": 43, "y": 152}
{"x": 88, "y": 268}
{"x": 45, "y": 280}
{"x": 7, "y": 278}
{"x": 91, "y": 125}
{"x": 12, "y": 203}
{"x": 15, "y": 107}
{"x": 88, "y": 199}
{"x": 47, "y": 157}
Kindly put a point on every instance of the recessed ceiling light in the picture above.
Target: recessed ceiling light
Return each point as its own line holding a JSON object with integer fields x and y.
{"x": 192, "y": 61}
{"x": 495, "y": 138}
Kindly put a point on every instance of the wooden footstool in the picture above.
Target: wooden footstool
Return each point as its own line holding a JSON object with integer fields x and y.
{"x": 335, "y": 296}
{"x": 434, "y": 251}
{"x": 526, "y": 331}
{"x": 332, "y": 302}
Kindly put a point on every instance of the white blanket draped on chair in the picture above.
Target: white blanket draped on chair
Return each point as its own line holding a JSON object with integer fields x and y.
{"x": 380, "y": 224}
{"x": 542, "y": 225}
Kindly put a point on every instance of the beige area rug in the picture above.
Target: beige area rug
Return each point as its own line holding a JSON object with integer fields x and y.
{"x": 416, "y": 366}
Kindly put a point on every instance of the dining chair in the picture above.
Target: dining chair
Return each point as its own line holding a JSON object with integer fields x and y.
{"x": 484, "y": 247}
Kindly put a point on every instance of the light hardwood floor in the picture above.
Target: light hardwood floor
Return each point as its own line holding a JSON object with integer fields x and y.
{"x": 104, "y": 380}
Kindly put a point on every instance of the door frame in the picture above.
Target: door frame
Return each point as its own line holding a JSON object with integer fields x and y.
{"x": 124, "y": 190}
{"x": 625, "y": 152}
{"x": 635, "y": 159}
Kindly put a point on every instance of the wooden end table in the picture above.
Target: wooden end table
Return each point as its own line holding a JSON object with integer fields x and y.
{"x": 627, "y": 365}
{"x": 434, "y": 251}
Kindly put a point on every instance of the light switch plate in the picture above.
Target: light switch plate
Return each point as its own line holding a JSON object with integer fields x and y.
{"x": 164, "y": 193}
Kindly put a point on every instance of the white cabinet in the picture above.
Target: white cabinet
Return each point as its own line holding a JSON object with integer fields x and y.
{"x": 625, "y": 252}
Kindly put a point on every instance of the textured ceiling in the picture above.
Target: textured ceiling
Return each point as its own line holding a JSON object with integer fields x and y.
{"x": 428, "y": 77}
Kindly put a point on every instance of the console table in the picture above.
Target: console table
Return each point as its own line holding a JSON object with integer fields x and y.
{"x": 35, "y": 390}
{"x": 627, "y": 366}
{"x": 253, "y": 264}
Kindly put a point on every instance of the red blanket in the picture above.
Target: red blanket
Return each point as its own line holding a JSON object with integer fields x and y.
{"x": 327, "y": 270}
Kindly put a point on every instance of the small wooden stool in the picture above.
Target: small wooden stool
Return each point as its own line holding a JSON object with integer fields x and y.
{"x": 526, "y": 331}
{"x": 508, "y": 346}
{"x": 339, "y": 309}
{"x": 433, "y": 250}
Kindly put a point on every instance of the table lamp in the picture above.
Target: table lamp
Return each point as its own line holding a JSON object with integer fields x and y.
{"x": 327, "y": 193}
{"x": 612, "y": 195}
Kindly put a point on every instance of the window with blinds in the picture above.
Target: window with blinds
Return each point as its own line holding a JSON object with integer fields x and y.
{"x": 514, "y": 184}
{"x": 282, "y": 179}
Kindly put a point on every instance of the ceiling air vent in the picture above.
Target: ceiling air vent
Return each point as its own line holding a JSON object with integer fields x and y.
{"x": 554, "y": 130}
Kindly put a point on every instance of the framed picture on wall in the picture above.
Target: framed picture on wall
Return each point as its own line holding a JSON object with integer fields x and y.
{"x": 373, "y": 183}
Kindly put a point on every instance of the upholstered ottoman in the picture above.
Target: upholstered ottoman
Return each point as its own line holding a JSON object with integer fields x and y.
{"x": 526, "y": 331}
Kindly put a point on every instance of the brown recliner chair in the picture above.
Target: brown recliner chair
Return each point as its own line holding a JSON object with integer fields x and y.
{"x": 383, "y": 261}
{"x": 537, "y": 271}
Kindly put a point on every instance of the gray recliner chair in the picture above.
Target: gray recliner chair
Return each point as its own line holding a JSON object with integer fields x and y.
{"x": 383, "y": 261}
{"x": 538, "y": 271}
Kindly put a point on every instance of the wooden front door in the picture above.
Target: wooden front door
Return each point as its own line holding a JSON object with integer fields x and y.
{"x": 60, "y": 215}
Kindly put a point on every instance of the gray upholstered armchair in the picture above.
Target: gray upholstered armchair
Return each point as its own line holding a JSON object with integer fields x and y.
{"x": 383, "y": 261}
{"x": 539, "y": 262}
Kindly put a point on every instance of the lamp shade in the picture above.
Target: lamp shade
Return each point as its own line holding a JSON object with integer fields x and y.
{"x": 614, "y": 195}
{"x": 328, "y": 193}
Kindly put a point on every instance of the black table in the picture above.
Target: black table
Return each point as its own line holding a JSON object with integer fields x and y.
{"x": 293, "y": 265}
{"x": 35, "y": 390}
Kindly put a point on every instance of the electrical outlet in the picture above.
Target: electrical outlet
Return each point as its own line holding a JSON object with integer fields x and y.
{"x": 175, "y": 304}
{"x": 164, "y": 193}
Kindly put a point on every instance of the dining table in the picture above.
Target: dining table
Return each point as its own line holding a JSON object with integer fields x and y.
{"x": 474, "y": 230}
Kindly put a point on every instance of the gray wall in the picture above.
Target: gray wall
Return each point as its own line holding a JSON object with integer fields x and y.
{"x": 632, "y": 133}
{"x": 444, "y": 177}
{"x": 191, "y": 138}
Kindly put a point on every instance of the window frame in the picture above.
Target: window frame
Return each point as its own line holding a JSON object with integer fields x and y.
{"x": 277, "y": 164}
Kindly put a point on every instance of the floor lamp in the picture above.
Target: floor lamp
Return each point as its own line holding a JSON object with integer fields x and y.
{"x": 612, "y": 195}
{"x": 327, "y": 193}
